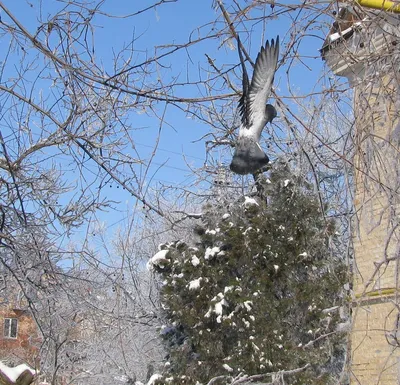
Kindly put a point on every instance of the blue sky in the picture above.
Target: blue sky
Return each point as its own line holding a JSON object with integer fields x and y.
{"x": 174, "y": 23}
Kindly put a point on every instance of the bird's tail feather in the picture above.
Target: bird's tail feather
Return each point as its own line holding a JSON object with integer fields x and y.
{"x": 248, "y": 157}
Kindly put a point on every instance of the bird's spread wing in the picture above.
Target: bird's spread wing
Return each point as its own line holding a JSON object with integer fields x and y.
{"x": 253, "y": 101}
{"x": 244, "y": 101}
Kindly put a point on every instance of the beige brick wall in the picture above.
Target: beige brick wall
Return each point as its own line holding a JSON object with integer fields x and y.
{"x": 375, "y": 357}
{"x": 374, "y": 360}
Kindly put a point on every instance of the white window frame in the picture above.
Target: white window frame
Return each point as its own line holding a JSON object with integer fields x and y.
{"x": 7, "y": 331}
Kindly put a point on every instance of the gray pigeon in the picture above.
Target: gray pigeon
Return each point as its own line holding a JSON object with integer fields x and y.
{"x": 254, "y": 112}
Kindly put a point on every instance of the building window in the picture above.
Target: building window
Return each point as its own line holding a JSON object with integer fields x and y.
{"x": 10, "y": 327}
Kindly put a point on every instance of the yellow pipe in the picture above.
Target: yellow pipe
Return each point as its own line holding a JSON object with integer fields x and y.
{"x": 376, "y": 293}
{"x": 380, "y": 4}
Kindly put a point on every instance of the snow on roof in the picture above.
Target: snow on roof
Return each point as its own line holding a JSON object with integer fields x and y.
{"x": 348, "y": 20}
{"x": 343, "y": 34}
{"x": 13, "y": 373}
{"x": 159, "y": 260}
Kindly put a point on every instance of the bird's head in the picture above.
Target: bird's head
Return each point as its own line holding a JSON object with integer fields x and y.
{"x": 270, "y": 112}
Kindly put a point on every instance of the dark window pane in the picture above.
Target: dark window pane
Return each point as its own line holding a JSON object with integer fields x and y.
{"x": 10, "y": 327}
{"x": 7, "y": 327}
{"x": 13, "y": 331}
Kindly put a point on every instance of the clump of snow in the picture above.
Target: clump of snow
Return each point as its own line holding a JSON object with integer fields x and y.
{"x": 248, "y": 305}
{"x": 154, "y": 378}
{"x": 226, "y": 216}
{"x": 195, "y": 284}
{"x": 249, "y": 202}
{"x": 177, "y": 244}
{"x": 227, "y": 368}
{"x": 217, "y": 308}
{"x": 218, "y": 305}
{"x": 13, "y": 373}
{"x": 158, "y": 260}
{"x": 255, "y": 347}
{"x": 209, "y": 312}
{"x": 248, "y": 229}
{"x": 211, "y": 252}
{"x": 195, "y": 261}
{"x": 286, "y": 182}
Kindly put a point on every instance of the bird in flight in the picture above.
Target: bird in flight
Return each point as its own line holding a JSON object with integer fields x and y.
{"x": 254, "y": 112}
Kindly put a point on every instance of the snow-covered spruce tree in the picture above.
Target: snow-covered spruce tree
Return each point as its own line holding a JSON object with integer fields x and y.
{"x": 250, "y": 295}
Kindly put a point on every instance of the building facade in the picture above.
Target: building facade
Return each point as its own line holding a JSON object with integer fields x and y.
{"x": 19, "y": 341}
{"x": 19, "y": 335}
{"x": 362, "y": 46}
